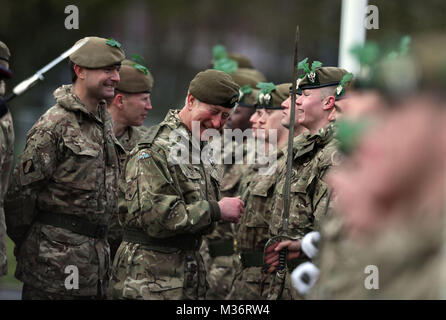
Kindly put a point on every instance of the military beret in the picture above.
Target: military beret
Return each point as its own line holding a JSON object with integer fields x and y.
{"x": 322, "y": 77}
{"x": 215, "y": 87}
{"x": 98, "y": 53}
{"x": 135, "y": 78}
{"x": 248, "y": 96}
{"x": 251, "y": 77}
{"x": 271, "y": 96}
{"x": 4, "y": 53}
{"x": 242, "y": 60}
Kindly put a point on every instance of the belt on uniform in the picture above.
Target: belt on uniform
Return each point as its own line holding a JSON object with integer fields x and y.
{"x": 74, "y": 224}
{"x": 183, "y": 242}
{"x": 251, "y": 258}
{"x": 218, "y": 248}
{"x": 255, "y": 259}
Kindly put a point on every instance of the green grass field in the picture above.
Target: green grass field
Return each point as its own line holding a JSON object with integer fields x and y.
{"x": 8, "y": 281}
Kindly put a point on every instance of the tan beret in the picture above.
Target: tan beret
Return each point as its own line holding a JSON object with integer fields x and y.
{"x": 215, "y": 87}
{"x": 271, "y": 96}
{"x": 98, "y": 53}
{"x": 242, "y": 60}
{"x": 135, "y": 78}
{"x": 248, "y": 98}
{"x": 322, "y": 77}
{"x": 251, "y": 77}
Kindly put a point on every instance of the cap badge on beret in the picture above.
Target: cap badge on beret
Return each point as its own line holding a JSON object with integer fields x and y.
{"x": 264, "y": 95}
{"x": 245, "y": 90}
{"x": 309, "y": 73}
{"x": 113, "y": 43}
{"x": 340, "y": 89}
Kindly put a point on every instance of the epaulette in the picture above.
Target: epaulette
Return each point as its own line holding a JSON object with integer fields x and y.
{"x": 149, "y": 137}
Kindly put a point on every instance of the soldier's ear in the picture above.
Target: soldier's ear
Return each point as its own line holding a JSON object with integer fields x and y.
{"x": 190, "y": 101}
{"x": 80, "y": 71}
{"x": 329, "y": 103}
{"x": 118, "y": 100}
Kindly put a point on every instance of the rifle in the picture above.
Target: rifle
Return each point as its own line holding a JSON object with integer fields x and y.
{"x": 31, "y": 81}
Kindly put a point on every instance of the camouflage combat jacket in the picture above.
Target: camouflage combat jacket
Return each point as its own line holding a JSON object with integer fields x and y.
{"x": 127, "y": 141}
{"x": 69, "y": 168}
{"x": 253, "y": 231}
{"x": 313, "y": 156}
{"x": 6, "y": 162}
{"x": 218, "y": 248}
{"x": 168, "y": 202}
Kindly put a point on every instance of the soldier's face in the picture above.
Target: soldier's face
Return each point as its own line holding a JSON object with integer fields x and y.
{"x": 258, "y": 122}
{"x": 286, "y": 113}
{"x": 208, "y": 116}
{"x": 274, "y": 124}
{"x": 135, "y": 107}
{"x": 310, "y": 110}
{"x": 239, "y": 119}
{"x": 101, "y": 83}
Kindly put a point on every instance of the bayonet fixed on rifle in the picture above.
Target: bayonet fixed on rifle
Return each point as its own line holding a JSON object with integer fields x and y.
{"x": 31, "y": 81}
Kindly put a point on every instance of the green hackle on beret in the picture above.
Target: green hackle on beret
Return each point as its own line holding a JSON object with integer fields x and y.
{"x": 271, "y": 96}
{"x": 215, "y": 87}
{"x": 320, "y": 77}
{"x": 98, "y": 53}
{"x": 135, "y": 78}
{"x": 248, "y": 97}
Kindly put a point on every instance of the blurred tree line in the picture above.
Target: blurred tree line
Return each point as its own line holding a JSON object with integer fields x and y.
{"x": 176, "y": 38}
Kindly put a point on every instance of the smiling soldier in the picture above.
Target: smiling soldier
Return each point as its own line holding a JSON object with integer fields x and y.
{"x": 128, "y": 109}
{"x": 64, "y": 188}
{"x": 171, "y": 204}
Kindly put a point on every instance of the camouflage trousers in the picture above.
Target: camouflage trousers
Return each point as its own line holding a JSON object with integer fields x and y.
{"x": 219, "y": 274}
{"x": 31, "y": 293}
{"x": 249, "y": 284}
{"x": 143, "y": 273}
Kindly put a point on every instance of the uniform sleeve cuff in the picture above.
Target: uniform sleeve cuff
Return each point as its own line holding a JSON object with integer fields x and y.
{"x": 215, "y": 210}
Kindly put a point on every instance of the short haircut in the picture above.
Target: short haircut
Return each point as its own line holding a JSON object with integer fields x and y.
{"x": 72, "y": 72}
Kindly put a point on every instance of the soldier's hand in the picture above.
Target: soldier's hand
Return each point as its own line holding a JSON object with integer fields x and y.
{"x": 231, "y": 209}
{"x": 272, "y": 252}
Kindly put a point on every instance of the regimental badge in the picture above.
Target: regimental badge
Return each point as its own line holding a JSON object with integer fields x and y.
{"x": 339, "y": 90}
{"x": 312, "y": 76}
{"x": 28, "y": 166}
{"x": 144, "y": 155}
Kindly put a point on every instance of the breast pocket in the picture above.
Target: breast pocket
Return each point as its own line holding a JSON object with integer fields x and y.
{"x": 260, "y": 203}
{"x": 190, "y": 181}
{"x": 300, "y": 217}
{"x": 80, "y": 165}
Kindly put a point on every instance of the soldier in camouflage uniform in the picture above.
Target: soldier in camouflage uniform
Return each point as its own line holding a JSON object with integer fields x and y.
{"x": 218, "y": 248}
{"x": 64, "y": 189}
{"x": 172, "y": 198}
{"x": 390, "y": 207}
{"x": 314, "y": 153}
{"x": 256, "y": 190}
{"x": 6, "y": 150}
{"x": 128, "y": 109}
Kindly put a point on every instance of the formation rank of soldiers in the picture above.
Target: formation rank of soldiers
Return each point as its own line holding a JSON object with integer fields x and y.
{"x": 96, "y": 191}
